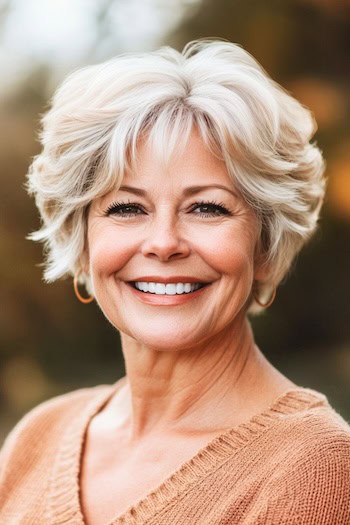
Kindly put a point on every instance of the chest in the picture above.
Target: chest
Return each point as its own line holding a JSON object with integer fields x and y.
{"x": 114, "y": 478}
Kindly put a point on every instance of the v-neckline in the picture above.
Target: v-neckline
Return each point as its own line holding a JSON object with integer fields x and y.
{"x": 64, "y": 505}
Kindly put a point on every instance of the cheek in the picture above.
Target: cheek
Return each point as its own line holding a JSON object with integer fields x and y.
{"x": 231, "y": 252}
{"x": 108, "y": 252}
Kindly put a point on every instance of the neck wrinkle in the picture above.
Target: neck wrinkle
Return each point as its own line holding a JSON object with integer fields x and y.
{"x": 177, "y": 390}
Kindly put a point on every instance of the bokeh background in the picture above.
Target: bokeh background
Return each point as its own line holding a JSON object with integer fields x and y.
{"x": 49, "y": 342}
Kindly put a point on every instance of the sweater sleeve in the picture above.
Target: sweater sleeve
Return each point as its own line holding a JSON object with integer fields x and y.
{"x": 315, "y": 490}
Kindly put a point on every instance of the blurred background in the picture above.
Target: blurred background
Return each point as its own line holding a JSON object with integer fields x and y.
{"x": 49, "y": 342}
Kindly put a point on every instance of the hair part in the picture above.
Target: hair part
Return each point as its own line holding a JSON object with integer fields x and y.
{"x": 90, "y": 137}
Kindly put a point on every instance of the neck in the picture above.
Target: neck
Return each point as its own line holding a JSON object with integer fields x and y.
{"x": 180, "y": 390}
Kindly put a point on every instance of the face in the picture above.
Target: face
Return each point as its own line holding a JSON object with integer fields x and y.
{"x": 171, "y": 253}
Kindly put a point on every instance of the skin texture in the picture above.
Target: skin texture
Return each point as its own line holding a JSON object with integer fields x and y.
{"x": 193, "y": 369}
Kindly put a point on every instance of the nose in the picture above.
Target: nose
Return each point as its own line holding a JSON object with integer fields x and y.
{"x": 164, "y": 239}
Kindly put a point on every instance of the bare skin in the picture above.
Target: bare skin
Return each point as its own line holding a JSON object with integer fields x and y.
{"x": 150, "y": 428}
{"x": 193, "y": 369}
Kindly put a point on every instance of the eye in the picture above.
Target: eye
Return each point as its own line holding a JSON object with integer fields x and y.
{"x": 124, "y": 209}
{"x": 210, "y": 209}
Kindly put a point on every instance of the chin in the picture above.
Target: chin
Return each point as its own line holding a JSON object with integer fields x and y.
{"x": 171, "y": 340}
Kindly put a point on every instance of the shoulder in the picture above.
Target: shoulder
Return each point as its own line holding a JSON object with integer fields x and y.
{"x": 30, "y": 451}
{"x": 46, "y": 421}
{"x": 310, "y": 431}
{"x": 58, "y": 408}
{"x": 319, "y": 442}
{"x": 313, "y": 423}
{"x": 311, "y": 481}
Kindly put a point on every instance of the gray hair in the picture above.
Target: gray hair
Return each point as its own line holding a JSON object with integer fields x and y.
{"x": 90, "y": 133}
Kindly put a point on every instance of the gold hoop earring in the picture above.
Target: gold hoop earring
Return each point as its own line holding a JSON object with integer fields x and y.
{"x": 84, "y": 300}
{"x": 269, "y": 302}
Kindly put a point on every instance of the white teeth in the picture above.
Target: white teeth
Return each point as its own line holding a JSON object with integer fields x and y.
{"x": 179, "y": 288}
{"x": 170, "y": 289}
{"x": 160, "y": 288}
{"x": 167, "y": 289}
{"x": 152, "y": 287}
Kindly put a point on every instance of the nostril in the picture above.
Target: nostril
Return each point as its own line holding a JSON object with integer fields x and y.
{"x": 165, "y": 251}
{"x": 165, "y": 247}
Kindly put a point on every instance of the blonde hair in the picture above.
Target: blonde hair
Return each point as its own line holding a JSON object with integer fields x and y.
{"x": 90, "y": 133}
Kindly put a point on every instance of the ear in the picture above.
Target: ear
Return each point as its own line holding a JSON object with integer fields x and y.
{"x": 261, "y": 272}
{"x": 84, "y": 261}
{"x": 261, "y": 267}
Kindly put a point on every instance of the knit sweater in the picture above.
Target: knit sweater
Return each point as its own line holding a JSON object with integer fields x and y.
{"x": 289, "y": 465}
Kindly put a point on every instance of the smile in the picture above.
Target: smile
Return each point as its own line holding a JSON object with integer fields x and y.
{"x": 167, "y": 289}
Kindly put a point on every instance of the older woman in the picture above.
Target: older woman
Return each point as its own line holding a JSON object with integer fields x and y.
{"x": 178, "y": 188}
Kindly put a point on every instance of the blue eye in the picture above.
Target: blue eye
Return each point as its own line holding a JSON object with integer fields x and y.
{"x": 124, "y": 209}
{"x": 210, "y": 209}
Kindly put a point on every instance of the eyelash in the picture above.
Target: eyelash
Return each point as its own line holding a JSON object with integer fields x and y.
{"x": 116, "y": 207}
{"x": 218, "y": 206}
{"x": 119, "y": 208}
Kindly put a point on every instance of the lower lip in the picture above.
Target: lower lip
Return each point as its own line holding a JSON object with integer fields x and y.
{"x": 166, "y": 300}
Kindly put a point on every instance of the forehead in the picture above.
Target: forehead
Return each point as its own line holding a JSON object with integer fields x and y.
{"x": 191, "y": 162}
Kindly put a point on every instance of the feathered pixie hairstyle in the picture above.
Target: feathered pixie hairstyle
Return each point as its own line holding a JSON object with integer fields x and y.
{"x": 90, "y": 134}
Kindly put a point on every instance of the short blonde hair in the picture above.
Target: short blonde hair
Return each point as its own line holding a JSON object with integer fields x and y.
{"x": 90, "y": 133}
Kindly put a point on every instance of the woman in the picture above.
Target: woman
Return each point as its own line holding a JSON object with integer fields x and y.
{"x": 178, "y": 188}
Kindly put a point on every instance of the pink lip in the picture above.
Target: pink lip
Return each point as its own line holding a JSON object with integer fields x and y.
{"x": 165, "y": 300}
{"x": 166, "y": 280}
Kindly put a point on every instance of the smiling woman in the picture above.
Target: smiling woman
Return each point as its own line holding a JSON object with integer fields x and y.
{"x": 187, "y": 225}
{"x": 178, "y": 187}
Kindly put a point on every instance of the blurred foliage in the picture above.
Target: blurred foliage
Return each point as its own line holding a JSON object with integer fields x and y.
{"x": 50, "y": 343}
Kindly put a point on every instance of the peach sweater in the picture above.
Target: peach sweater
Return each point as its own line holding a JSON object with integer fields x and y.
{"x": 289, "y": 465}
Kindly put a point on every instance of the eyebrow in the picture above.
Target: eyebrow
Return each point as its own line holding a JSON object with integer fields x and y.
{"x": 190, "y": 190}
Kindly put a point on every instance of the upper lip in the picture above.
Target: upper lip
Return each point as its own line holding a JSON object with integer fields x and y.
{"x": 166, "y": 280}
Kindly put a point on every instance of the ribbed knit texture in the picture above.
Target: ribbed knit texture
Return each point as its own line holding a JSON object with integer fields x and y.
{"x": 289, "y": 465}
